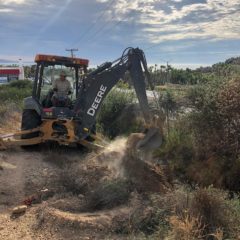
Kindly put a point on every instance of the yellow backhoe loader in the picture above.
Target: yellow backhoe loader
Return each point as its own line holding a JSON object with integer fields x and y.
{"x": 71, "y": 119}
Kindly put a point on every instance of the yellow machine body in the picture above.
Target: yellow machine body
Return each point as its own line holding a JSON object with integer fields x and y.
{"x": 46, "y": 134}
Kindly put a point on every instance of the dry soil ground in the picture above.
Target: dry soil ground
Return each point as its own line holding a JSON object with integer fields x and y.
{"x": 72, "y": 194}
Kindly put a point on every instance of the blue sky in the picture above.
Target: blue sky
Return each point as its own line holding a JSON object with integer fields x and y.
{"x": 185, "y": 33}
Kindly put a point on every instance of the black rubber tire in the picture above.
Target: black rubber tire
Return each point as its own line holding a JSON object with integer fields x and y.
{"x": 30, "y": 120}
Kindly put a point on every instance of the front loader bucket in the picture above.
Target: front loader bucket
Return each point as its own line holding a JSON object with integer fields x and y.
{"x": 152, "y": 140}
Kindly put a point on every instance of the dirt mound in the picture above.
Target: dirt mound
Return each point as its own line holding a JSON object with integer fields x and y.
{"x": 126, "y": 163}
{"x": 106, "y": 180}
{"x": 144, "y": 176}
{"x": 100, "y": 221}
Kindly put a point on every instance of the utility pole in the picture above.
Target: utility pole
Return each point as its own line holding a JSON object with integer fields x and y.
{"x": 72, "y": 50}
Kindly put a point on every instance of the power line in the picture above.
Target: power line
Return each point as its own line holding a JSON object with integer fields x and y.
{"x": 157, "y": 44}
{"x": 72, "y": 50}
{"x": 103, "y": 28}
{"x": 94, "y": 23}
{"x": 107, "y": 26}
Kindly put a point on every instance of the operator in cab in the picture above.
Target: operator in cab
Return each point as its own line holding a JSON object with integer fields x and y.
{"x": 61, "y": 88}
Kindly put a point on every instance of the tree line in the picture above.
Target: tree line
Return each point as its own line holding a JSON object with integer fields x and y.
{"x": 162, "y": 74}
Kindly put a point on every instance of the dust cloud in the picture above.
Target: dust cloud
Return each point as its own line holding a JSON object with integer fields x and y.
{"x": 113, "y": 156}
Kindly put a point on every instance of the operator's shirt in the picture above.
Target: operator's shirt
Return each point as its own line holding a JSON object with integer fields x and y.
{"x": 62, "y": 86}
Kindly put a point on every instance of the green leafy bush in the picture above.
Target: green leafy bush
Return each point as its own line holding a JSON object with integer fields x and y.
{"x": 15, "y": 91}
{"x": 123, "y": 85}
{"x": 13, "y": 94}
{"x": 215, "y": 126}
{"x": 117, "y": 114}
{"x": 203, "y": 147}
{"x": 177, "y": 149}
{"x": 21, "y": 84}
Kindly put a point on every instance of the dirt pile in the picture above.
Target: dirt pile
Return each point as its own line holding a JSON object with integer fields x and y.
{"x": 126, "y": 163}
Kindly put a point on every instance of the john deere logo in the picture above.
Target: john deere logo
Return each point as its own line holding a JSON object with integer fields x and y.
{"x": 92, "y": 110}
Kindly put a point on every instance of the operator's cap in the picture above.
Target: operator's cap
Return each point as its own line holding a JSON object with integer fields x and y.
{"x": 63, "y": 73}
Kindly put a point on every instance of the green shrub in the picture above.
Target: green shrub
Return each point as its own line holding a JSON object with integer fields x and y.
{"x": 196, "y": 95}
{"x": 167, "y": 101}
{"x": 13, "y": 94}
{"x": 204, "y": 146}
{"x": 123, "y": 85}
{"x": 15, "y": 91}
{"x": 21, "y": 84}
{"x": 177, "y": 149}
{"x": 228, "y": 109}
{"x": 112, "y": 115}
{"x": 215, "y": 128}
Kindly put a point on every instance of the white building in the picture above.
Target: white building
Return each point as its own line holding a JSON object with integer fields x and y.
{"x": 8, "y": 74}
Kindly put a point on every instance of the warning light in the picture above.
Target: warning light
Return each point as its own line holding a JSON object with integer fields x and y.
{"x": 61, "y": 60}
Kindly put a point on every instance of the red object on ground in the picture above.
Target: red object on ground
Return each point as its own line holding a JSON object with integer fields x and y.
{"x": 28, "y": 201}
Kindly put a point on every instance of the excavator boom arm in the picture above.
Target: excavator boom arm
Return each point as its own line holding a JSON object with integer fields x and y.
{"x": 97, "y": 84}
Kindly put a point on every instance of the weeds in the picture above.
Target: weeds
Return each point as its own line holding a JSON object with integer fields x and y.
{"x": 145, "y": 218}
{"x": 203, "y": 213}
{"x": 218, "y": 235}
{"x": 186, "y": 228}
{"x": 210, "y": 204}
